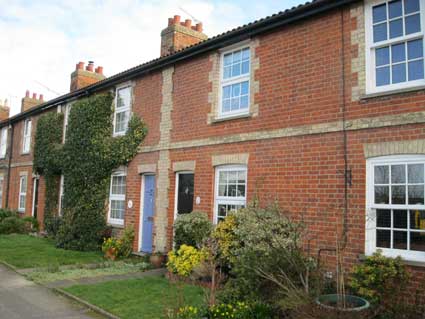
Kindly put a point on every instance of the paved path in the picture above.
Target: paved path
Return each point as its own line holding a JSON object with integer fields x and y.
{"x": 23, "y": 299}
{"x": 99, "y": 279}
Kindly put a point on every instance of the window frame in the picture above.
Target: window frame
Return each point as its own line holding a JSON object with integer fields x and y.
{"x": 370, "y": 48}
{"x": 1, "y": 190}
{"x": 225, "y": 200}
{"x": 129, "y": 108}
{"x": 234, "y": 80}
{"x": 21, "y": 193}
{"x": 371, "y": 207}
{"x": 26, "y": 136}
{"x": 3, "y": 146}
{"x": 66, "y": 111}
{"x": 117, "y": 197}
{"x": 61, "y": 193}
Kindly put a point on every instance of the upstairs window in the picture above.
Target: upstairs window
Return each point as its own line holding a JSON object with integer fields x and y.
{"x": 230, "y": 190}
{"x": 26, "y": 141}
{"x": 395, "y": 44}
{"x": 122, "y": 110}
{"x": 235, "y": 80}
{"x": 117, "y": 199}
{"x": 3, "y": 142}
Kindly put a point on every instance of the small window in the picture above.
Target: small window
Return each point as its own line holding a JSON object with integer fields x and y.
{"x": 1, "y": 191}
{"x": 61, "y": 193}
{"x": 235, "y": 80}
{"x": 117, "y": 199}
{"x": 396, "y": 206}
{"x": 122, "y": 110}
{"x": 395, "y": 41}
{"x": 22, "y": 193}
{"x": 26, "y": 142}
{"x": 230, "y": 190}
{"x": 3, "y": 142}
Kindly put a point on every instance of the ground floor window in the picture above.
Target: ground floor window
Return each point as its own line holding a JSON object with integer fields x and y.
{"x": 396, "y": 206}
{"x": 22, "y": 193}
{"x": 184, "y": 193}
{"x": 117, "y": 199}
{"x": 230, "y": 190}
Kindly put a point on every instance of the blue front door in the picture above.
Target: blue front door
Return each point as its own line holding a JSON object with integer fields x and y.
{"x": 148, "y": 212}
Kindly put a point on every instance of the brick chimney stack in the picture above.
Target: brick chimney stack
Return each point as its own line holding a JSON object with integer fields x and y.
{"x": 179, "y": 35}
{"x": 83, "y": 77}
{"x": 4, "y": 110}
{"x": 31, "y": 101}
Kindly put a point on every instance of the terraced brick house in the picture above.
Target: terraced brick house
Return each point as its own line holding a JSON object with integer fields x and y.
{"x": 320, "y": 107}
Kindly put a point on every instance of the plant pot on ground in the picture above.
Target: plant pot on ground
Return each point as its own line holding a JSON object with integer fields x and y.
{"x": 343, "y": 303}
{"x": 157, "y": 259}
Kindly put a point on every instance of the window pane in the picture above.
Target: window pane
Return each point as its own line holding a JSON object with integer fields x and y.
{"x": 398, "y": 174}
{"x": 417, "y": 219}
{"x": 383, "y": 218}
{"x": 227, "y": 73}
{"x": 381, "y": 195}
{"x": 416, "y": 195}
{"x": 222, "y": 190}
{"x": 245, "y": 67}
{"x": 381, "y": 174}
{"x": 235, "y": 104}
{"x": 382, "y": 56}
{"x": 379, "y": 13}
{"x": 246, "y": 54}
{"x": 400, "y": 219}
{"x": 398, "y": 53}
{"x": 411, "y": 6}
{"x": 236, "y": 90}
{"x": 380, "y": 32}
{"x": 236, "y": 69}
{"x": 396, "y": 28}
{"x": 226, "y": 92}
{"x": 395, "y": 9}
{"x": 415, "y": 49}
{"x": 383, "y": 76}
{"x": 398, "y": 195}
{"x": 244, "y": 89}
{"x": 413, "y": 24}
{"x": 237, "y": 56}
{"x": 383, "y": 238}
{"x": 399, "y": 73}
{"x": 226, "y": 106}
{"x": 400, "y": 240}
{"x": 227, "y": 59}
{"x": 123, "y": 98}
{"x": 244, "y": 102}
{"x": 416, "y": 70}
{"x": 416, "y": 173}
{"x": 417, "y": 241}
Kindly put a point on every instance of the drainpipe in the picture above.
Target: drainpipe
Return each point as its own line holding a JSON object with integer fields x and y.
{"x": 9, "y": 165}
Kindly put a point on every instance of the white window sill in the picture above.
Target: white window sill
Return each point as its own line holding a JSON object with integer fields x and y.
{"x": 116, "y": 224}
{"x": 219, "y": 119}
{"x": 392, "y": 92}
{"x": 21, "y": 211}
{"x": 118, "y": 134}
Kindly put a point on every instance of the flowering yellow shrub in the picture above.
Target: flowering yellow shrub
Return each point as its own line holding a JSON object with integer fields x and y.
{"x": 185, "y": 260}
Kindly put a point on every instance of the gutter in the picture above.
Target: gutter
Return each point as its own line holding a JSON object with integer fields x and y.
{"x": 234, "y": 36}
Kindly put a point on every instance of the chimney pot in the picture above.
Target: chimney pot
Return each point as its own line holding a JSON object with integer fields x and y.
{"x": 99, "y": 70}
{"x": 34, "y": 96}
{"x": 80, "y": 66}
{"x": 170, "y": 21}
{"x": 41, "y": 98}
{"x": 27, "y": 93}
{"x": 187, "y": 23}
{"x": 90, "y": 67}
{"x": 176, "y": 19}
{"x": 199, "y": 27}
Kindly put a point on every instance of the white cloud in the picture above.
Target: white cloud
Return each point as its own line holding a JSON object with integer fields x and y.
{"x": 42, "y": 41}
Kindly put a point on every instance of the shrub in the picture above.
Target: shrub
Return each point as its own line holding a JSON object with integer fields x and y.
{"x": 191, "y": 229}
{"x": 185, "y": 260}
{"x": 12, "y": 225}
{"x": 31, "y": 224}
{"x": 52, "y": 225}
{"x": 4, "y": 213}
{"x": 120, "y": 247}
{"x": 380, "y": 279}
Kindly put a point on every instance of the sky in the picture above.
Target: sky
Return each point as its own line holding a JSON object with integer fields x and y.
{"x": 41, "y": 41}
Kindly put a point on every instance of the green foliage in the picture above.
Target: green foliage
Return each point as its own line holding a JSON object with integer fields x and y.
{"x": 120, "y": 248}
{"x": 185, "y": 260}
{"x": 262, "y": 248}
{"x": 191, "y": 229}
{"x": 86, "y": 160}
{"x": 52, "y": 225}
{"x": 12, "y": 223}
{"x": 48, "y": 151}
{"x": 380, "y": 279}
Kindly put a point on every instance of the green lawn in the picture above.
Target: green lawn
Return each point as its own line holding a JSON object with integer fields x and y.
{"x": 23, "y": 251}
{"x": 148, "y": 297}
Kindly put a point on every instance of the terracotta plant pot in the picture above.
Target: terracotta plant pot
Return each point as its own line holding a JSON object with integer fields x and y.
{"x": 157, "y": 260}
{"x": 110, "y": 254}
